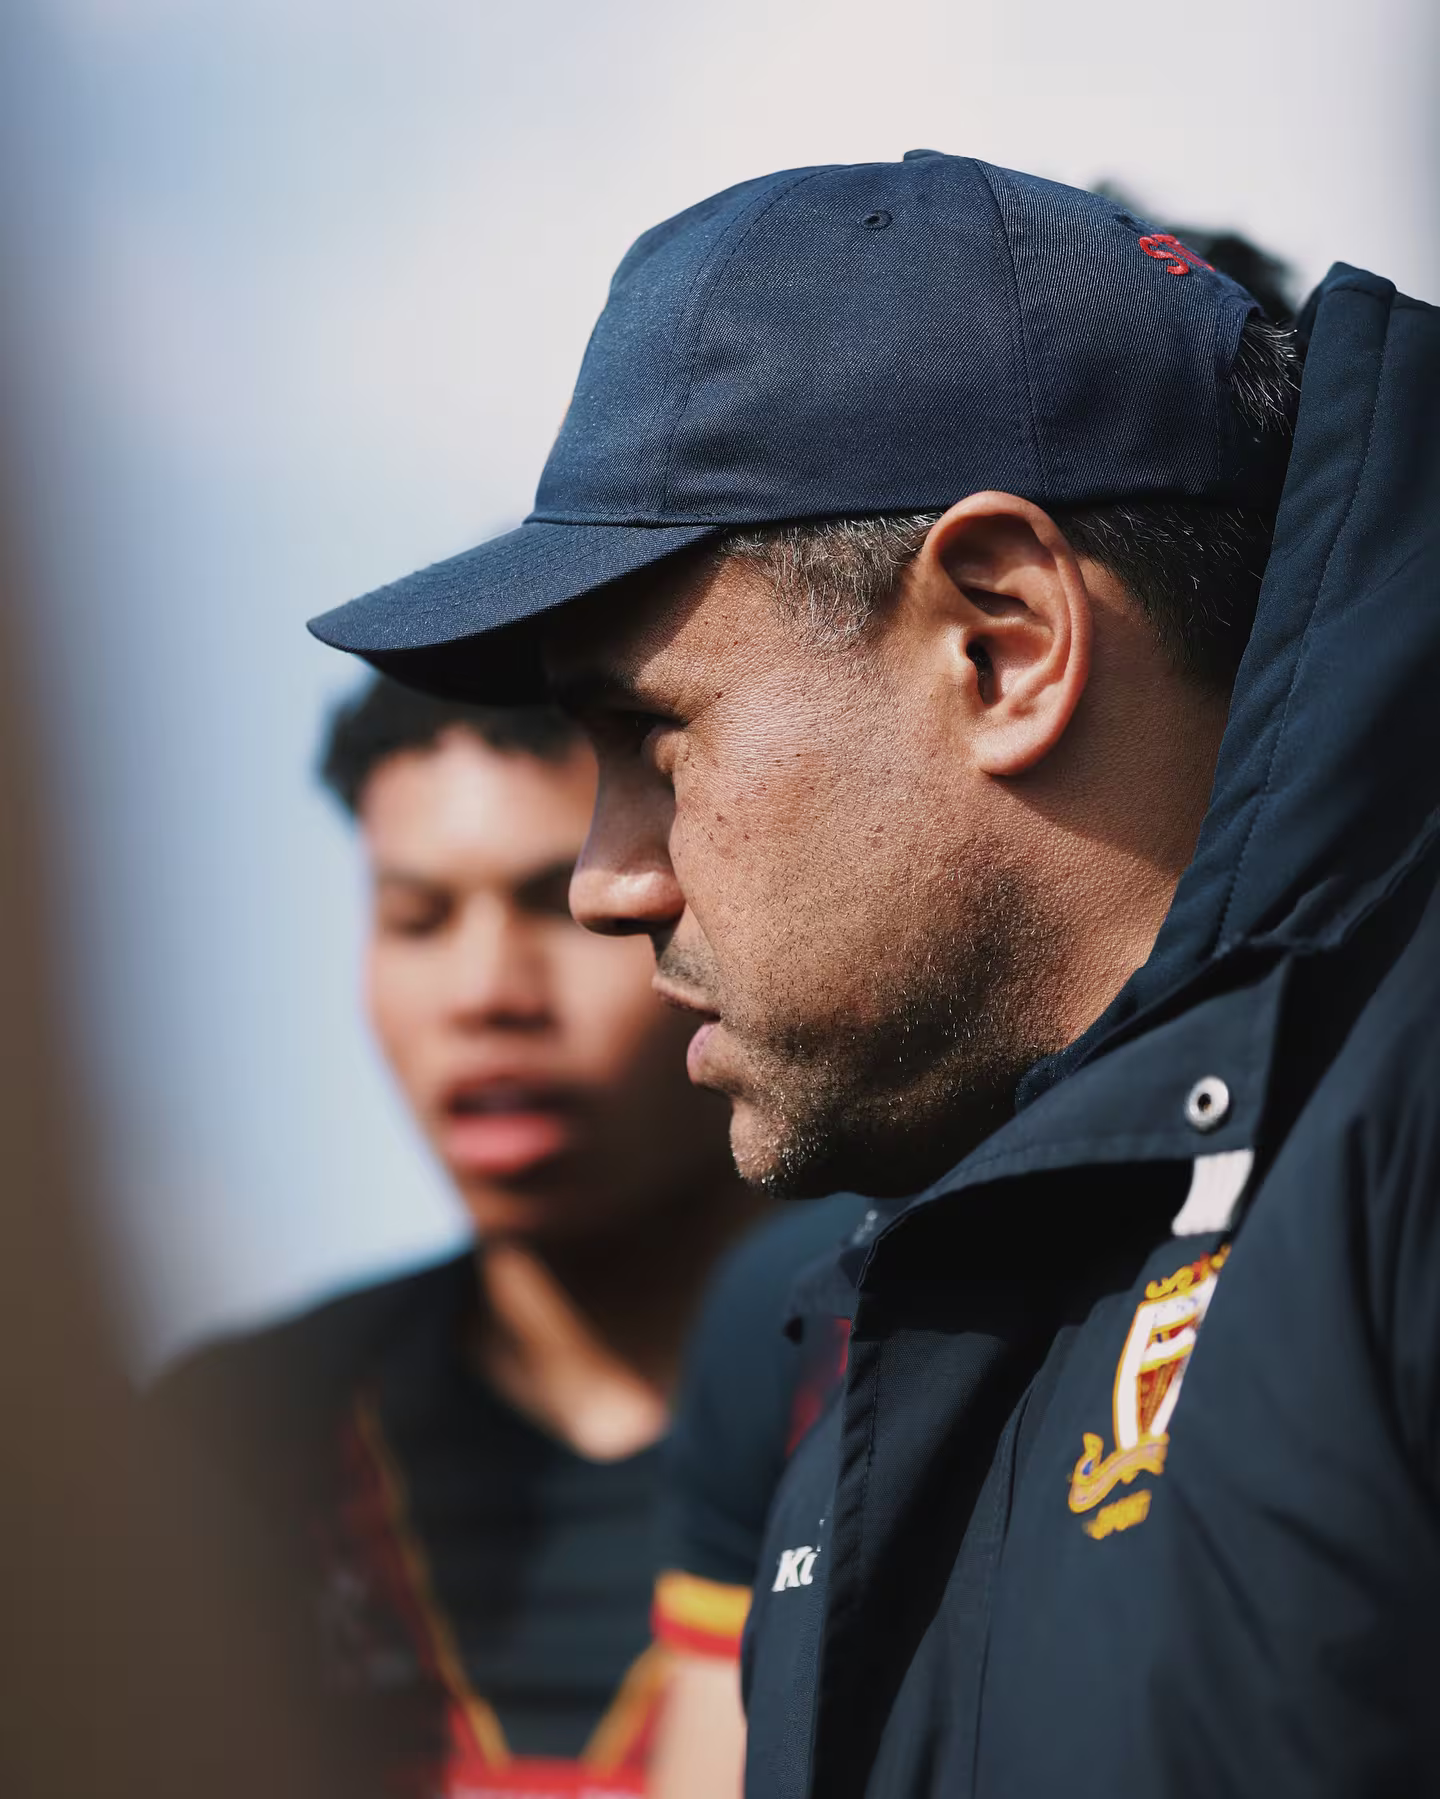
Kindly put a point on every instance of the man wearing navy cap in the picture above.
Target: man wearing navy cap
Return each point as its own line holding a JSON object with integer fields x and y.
{"x": 1017, "y": 850}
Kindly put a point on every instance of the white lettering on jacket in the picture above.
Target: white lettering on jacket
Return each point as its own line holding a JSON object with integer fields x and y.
{"x": 796, "y": 1568}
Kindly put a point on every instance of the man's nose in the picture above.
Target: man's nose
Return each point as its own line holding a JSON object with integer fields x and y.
{"x": 623, "y": 882}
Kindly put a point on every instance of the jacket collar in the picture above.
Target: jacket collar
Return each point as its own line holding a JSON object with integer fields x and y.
{"x": 1329, "y": 772}
{"x": 1132, "y": 1105}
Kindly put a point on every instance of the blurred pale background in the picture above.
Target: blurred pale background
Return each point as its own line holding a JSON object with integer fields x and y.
{"x": 299, "y": 289}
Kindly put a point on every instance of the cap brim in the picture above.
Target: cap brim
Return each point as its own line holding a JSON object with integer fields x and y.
{"x": 466, "y": 628}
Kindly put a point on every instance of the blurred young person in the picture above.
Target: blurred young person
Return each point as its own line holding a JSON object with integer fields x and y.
{"x": 471, "y": 1453}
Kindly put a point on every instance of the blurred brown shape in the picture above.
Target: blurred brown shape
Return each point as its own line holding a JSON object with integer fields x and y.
{"x": 138, "y": 1631}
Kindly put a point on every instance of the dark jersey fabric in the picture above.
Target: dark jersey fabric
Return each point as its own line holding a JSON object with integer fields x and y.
{"x": 749, "y": 1392}
{"x": 477, "y": 1593}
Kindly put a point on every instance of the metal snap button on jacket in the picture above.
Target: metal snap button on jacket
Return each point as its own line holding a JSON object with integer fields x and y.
{"x": 1206, "y": 1103}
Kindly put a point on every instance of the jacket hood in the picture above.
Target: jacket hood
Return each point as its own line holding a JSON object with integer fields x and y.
{"x": 1328, "y": 780}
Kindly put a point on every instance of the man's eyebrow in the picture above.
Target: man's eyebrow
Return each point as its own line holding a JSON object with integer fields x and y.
{"x": 589, "y": 688}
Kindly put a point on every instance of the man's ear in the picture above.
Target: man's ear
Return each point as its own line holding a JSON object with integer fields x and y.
{"x": 1020, "y": 624}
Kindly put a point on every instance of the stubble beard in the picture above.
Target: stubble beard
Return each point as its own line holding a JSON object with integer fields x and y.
{"x": 888, "y": 1106}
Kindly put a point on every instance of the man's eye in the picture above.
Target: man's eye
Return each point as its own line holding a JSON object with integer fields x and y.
{"x": 650, "y": 726}
{"x": 627, "y": 731}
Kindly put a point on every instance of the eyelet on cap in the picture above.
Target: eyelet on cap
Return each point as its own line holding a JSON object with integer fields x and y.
{"x": 1206, "y": 1103}
{"x": 875, "y": 221}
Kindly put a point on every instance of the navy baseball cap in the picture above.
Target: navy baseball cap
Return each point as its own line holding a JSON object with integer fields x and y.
{"x": 842, "y": 342}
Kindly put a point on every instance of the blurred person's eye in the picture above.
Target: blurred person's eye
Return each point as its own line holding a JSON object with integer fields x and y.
{"x": 411, "y": 912}
{"x": 548, "y": 894}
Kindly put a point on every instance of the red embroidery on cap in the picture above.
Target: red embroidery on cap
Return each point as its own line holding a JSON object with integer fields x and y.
{"x": 1168, "y": 249}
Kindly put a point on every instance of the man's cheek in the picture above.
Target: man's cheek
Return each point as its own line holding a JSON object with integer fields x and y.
{"x": 715, "y": 854}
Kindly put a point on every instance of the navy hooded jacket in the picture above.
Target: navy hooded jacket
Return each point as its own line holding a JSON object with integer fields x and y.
{"x": 1135, "y": 1483}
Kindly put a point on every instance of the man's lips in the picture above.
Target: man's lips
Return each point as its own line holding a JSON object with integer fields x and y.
{"x": 686, "y": 1002}
{"x": 500, "y": 1126}
{"x": 695, "y": 1053}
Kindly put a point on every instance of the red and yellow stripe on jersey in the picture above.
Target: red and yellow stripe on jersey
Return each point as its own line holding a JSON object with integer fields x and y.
{"x": 699, "y": 1617}
{"x": 477, "y": 1762}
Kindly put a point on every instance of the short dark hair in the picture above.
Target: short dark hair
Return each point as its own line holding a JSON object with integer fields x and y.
{"x": 383, "y": 719}
{"x": 1193, "y": 567}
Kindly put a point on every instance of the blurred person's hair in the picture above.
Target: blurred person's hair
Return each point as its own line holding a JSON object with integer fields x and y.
{"x": 384, "y": 719}
{"x": 1270, "y": 278}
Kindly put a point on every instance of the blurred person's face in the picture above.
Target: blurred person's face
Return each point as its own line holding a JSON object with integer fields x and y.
{"x": 546, "y": 1075}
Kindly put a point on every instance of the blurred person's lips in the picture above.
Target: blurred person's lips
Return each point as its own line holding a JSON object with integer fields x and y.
{"x": 709, "y": 1017}
{"x": 505, "y": 1124}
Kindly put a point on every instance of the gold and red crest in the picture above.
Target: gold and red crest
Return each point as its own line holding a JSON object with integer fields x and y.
{"x": 1147, "y": 1387}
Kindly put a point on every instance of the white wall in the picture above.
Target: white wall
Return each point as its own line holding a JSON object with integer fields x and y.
{"x": 303, "y": 286}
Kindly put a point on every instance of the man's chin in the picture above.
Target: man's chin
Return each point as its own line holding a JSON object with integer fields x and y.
{"x": 790, "y": 1158}
{"x": 774, "y": 1157}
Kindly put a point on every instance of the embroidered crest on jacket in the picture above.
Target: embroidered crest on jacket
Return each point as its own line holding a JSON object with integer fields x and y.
{"x": 1147, "y": 1386}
